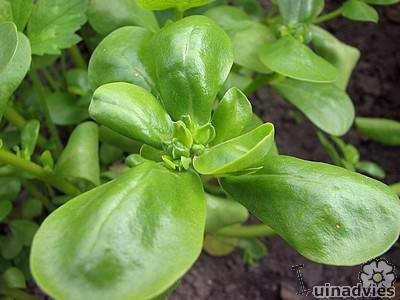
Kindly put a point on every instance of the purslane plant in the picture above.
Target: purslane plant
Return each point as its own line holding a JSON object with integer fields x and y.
{"x": 135, "y": 236}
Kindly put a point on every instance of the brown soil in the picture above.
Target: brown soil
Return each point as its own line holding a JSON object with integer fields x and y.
{"x": 375, "y": 90}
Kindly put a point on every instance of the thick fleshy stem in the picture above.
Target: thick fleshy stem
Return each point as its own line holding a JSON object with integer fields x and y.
{"x": 329, "y": 16}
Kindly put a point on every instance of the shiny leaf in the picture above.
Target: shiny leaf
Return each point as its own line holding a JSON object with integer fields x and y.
{"x": 115, "y": 238}
{"x": 359, "y": 11}
{"x": 179, "y": 4}
{"x": 298, "y": 11}
{"x": 328, "y": 214}
{"x": 384, "y": 131}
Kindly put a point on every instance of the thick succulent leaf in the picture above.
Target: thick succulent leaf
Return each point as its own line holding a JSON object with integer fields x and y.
{"x": 179, "y": 4}
{"x": 216, "y": 245}
{"x": 29, "y": 137}
{"x": 382, "y": 2}
{"x": 105, "y": 16}
{"x": 340, "y": 55}
{"x": 190, "y": 60}
{"x": 78, "y": 81}
{"x": 327, "y": 213}
{"x": 111, "y": 137}
{"x": 327, "y": 106}
{"x": 384, "y": 131}
{"x": 79, "y": 162}
{"x": 15, "y": 59}
{"x": 238, "y": 154}
{"x": 222, "y": 212}
{"x": 64, "y": 109}
{"x": 299, "y": 11}
{"x": 359, "y": 11}
{"x": 5, "y": 11}
{"x": 247, "y": 36}
{"x": 21, "y": 11}
{"x": 231, "y": 116}
{"x": 118, "y": 58}
{"x": 14, "y": 278}
{"x": 371, "y": 169}
{"x": 111, "y": 241}
{"x": 289, "y": 57}
{"x": 53, "y": 23}
{"x": 133, "y": 112}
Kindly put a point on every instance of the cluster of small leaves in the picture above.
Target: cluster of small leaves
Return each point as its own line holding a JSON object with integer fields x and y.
{"x": 176, "y": 159}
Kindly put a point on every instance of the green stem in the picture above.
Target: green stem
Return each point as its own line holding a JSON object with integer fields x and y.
{"x": 396, "y": 187}
{"x": 77, "y": 57}
{"x": 44, "y": 175}
{"x": 49, "y": 122}
{"x": 49, "y": 78}
{"x": 34, "y": 191}
{"x": 246, "y": 231}
{"x": 329, "y": 16}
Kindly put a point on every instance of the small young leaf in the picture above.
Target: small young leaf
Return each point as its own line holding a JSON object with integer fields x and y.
{"x": 359, "y": 11}
{"x": 384, "y": 131}
{"x": 64, "y": 109}
{"x": 327, "y": 213}
{"x": 121, "y": 107}
{"x": 11, "y": 246}
{"x": 47, "y": 160}
{"x": 179, "y": 4}
{"x": 340, "y": 55}
{"x": 53, "y": 24}
{"x": 115, "y": 237}
{"x": 216, "y": 245}
{"x": 330, "y": 149}
{"x": 78, "y": 82}
{"x": 223, "y": 212}
{"x": 327, "y": 106}
{"x": 24, "y": 230}
{"x": 238, "y": 154}
{"x": 79, "y": 162}
{"x": 31, "y": 208}
{"x": 21, "y": 11}
{"x": 232, "y": 115}
{"x": 118, "y": 58}
{"x": 14, "y": 278}
{"x": 29, "y": 136}
{"x": 299, "y": 11}
{"x": 9, "y": 188}
{"x": 371, "y": 168}
{"x": 253, "y": 250}
{"x": 5, "y": 208}
{"x": 291, "y": 58}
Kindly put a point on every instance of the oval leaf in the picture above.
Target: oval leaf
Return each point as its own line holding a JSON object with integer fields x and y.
{"x": 340, "y": 55}
{"x": 105, "y": 16}
{"x": 359, "y": 11}
{"x": 299, "y": 11}
{"x": 289, "y": 57}
{"x": 327, "y": 213}
{"x": 384, "y": 131}
{"x": 118, "y": 58}
{"x": 179, "y": 4}
{"x": 238, "y": 154}
{"x": 232, "y": 115}
{"x": 79, "y": 162}
{"x": 190, "y": 60}
{"x": 327, "y": 106}
{"x": 115, "y": 238}
{"x": 64, "y": 109}
{"x": 131, "y": 111}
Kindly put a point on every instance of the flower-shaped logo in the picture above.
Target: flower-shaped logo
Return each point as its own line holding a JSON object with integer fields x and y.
{"x": 377, "y": 273}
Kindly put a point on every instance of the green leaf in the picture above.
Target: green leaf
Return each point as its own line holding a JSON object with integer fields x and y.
{"x": 113, "y": 138}
{"x": 238, "y": 154}
{"x": 381, "y": 2}
{"x": 359, "y": 11}
{"x": 289, "y": 57}
{"x": 384, "y": 131}
{"x": 31, "y": 208}
{"x": 29, "y": 136}
{"x": 253, "y": 250}
{"x": 11, "y": 246}
{"x": 232, "y": 115}
{"x": 109, "y": 154}
{"x": 9, "y": 188}
{"x": 121, "y": 107}
{"x": 238, "y": 80}
{"x": 24, "y": 230}
{"x": 79, "y": 161}
{"x": 247, "y": 36}
{"x": 14, "y": 278}
{"x": 21, "y": 11}
{"x": 327, "y": 106}
{"x": 6, "y": 14}
{"x": 371, "y": 168}
{"x": 327, "y": 213}
{"x": 340, "y": 55}
{"x": 15, "y": 59}
{"x": 189, "y": 61}
{"x": 299, "y": 11}
{"x": 350, "y": 152}
{"x": 179, "y": 4}
{"x": 5, "y": 208}
{"x": 53, "y": 23}
{"x": 216, "y": 245}
{"x": 115, "y": 238}
{"x": 64, "y": 109}
{"x": 223, "y": 212}
{"x": 118, "y": 58}
{"x": 106, "y": 16}
{"x": 78, "y": 81}
{"x": 330, "y": 149}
